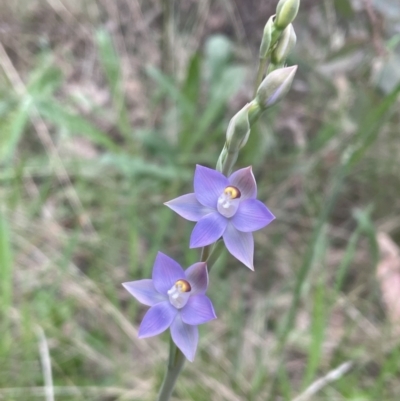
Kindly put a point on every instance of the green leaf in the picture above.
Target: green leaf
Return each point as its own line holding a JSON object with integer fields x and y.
{"x": 191, "y": 86}
{"x": 370, "y": 129}
{"x": 12, "y": 127}
{"x": 74, "y": 123}
{"x": 109, "y": 59}
{"x": 229, "y": 83}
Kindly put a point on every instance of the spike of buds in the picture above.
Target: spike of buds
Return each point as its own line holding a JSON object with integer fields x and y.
{"x": 275, "y": 86}
{"x": 238, "y": 130}
{"x": 286, "y": 12}
{"x": 285, "y": 46}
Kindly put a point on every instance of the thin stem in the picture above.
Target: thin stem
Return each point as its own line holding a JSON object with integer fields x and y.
{"x": 175, "y": 364}
{"x": 215, "y": 253}
{"x": 262, "y": 64}
{"x": 260, "y": 73}
{"x": 205, "y": 253}
{"x": 230, "y": 161}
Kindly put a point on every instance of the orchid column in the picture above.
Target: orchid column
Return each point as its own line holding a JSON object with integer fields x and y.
{"x": 223, "y": 205}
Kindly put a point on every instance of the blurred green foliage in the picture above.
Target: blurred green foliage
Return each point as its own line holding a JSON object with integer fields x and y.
{"x": 95, "y": 137}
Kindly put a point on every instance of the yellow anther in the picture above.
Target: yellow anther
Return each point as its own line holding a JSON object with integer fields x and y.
{"x": 183, "y": 286}
{"x": 233, "y": 192}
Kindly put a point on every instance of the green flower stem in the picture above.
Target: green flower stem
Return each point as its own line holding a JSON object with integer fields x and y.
{"x": 175, "y": 364}
{"x": 262, "y": 64}
{"x": 227, "y": 159}
{"x": 228, "y": 156}
{"x": 205, "y": 253}
{"x": 254, "y": 112}
{"x": 215, "y": 253}
{"x": 263, "y": 60}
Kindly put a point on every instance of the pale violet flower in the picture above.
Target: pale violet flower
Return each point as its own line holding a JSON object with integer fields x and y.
{"x": 177, "y": 301}
{"x": 224, "y": 207}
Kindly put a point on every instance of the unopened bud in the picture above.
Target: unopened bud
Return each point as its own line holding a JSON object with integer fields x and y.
{"x": 238, "y": 130}
{"x": 266, "y": 39}
{"x": 284, "y": 47}
{"x": 275, "y": 86}
{"x": 286, "y": 12}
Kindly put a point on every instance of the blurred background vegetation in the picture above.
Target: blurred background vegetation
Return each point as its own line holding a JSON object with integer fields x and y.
{"x": 105, "y": 108}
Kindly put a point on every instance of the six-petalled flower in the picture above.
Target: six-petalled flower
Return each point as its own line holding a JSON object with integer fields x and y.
{"x": 224, "y": 207}
{"x": 177, "y": 300}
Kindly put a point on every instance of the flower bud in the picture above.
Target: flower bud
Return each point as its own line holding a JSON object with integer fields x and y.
{"x": 275, "y": 86}
{"x": 238, "y": 130}
{"x": 266, "y": 39}
{"x": 284, "y": 47}
{"x": 286, "y": 12}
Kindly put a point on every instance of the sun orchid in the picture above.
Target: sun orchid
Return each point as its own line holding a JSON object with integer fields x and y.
{"x": 224, "y": 207}
{"x": 177, "y": 300}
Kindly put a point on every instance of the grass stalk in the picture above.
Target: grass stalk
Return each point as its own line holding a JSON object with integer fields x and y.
{"x": 5, "y": 271}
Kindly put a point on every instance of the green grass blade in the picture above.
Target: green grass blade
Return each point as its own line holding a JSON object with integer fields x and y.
{"x": 370, "y": 127}
{"x": 362, "y": 217}
{"x": 167, "y": 86}
{"x": 318, "y": 325}
{"x": 12, "y": 128}
{"x": 44, "y": 80}
{"x": 111, "y": 64}
{"x": 5, "y": 266}
{"x": 75, "y": 124}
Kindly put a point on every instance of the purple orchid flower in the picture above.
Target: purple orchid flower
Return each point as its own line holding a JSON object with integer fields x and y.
{"x": 177, "y": 301}
{"x": 224, "y": 207}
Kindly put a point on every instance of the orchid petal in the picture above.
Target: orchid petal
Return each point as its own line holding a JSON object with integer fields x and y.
{"x": 198, "y": 310}
{"x": 208, "y": 230}
{"x": 144, "y": 292}
{"x": 244, "y": 180}
{"x": 240, "y": 245}
{"x": 251, "y": 216}
{"x": 197, "y": 275}
{"x": 188, "y": 207}
{"x": 157, "y": 319}
{"x": 166, "y": 272}
{"x": 185, "y": 337}
{"x": 208, "y": 185}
